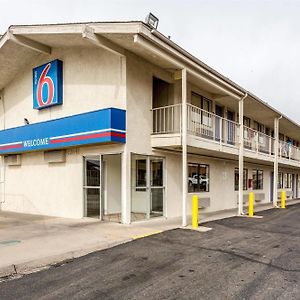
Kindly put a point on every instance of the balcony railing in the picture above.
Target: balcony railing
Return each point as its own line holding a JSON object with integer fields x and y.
{"x": 167, "y": 119}
{"x": 289, "y": 151}
{"x": 211, "y": 127}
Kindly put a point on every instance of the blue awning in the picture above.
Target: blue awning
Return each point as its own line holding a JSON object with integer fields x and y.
{"x": 101, "y": 126}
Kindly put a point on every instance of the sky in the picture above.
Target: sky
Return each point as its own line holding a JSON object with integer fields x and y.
{"x": 255, "y": 43}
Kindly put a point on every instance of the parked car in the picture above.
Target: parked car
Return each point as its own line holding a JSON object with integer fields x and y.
{"x": 194, "y": 179}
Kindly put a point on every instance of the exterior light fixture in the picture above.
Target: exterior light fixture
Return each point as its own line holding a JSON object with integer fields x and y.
{"x": 26, "y": 122}
{"x": 152, "y": 21}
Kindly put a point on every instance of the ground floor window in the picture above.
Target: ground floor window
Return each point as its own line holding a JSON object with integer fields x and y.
{"x": 280, "y": 180}
{"x": 258, "y": 179}
{"x": 287, "y": 180}
{"x": 198, "y": 180}
{"x": 236, "y": 179}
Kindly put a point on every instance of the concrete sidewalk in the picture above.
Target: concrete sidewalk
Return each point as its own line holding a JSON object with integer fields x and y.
{"x": 30, "y": 242}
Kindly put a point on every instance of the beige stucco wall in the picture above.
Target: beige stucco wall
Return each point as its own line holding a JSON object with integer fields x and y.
{"x": 92, "y": 79}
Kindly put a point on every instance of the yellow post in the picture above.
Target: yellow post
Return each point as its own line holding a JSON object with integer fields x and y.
{"x": 283, "y": 197}
{"x": 251, "y": 204}
{"x": 195, "y": 212}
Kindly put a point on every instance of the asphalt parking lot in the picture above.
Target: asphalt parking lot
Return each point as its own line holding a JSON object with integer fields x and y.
{"x": 241, "y": 258}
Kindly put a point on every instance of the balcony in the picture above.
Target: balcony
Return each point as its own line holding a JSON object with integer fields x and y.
{"x": 216, "y": 133}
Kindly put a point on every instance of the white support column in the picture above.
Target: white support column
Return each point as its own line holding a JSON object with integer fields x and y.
{"x": 275, "y": 172}
{"x": 125, "y": 187}
{"x": 241, "y": 154}
{"x": 184, "y": 145}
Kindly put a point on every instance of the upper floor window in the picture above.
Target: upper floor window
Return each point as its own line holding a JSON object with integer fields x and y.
{"x": 201, "y": 102}
{"x": 259, "y": 127}
{"x": 247, "y": 122}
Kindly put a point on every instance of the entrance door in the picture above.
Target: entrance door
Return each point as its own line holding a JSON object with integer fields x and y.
{"x": 92, "y": 186}
{"x": 147, "y": 194}
{"x": 218, "y": 129}
{"x": 156, "y": 187}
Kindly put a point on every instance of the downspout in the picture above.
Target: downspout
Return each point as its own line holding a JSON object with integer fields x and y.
{"x": 275, "y": 171}
{"x": 241, "y": 154}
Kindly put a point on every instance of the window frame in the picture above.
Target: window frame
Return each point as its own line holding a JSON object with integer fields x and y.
{"x": 207, "y": 184}
{"x": 256, "y": 183}
{"x": 245, "y": 179}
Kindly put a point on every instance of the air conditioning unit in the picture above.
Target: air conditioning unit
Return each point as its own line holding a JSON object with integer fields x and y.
{"x": 55, "y": 156}
{"x": 13, "y": 160}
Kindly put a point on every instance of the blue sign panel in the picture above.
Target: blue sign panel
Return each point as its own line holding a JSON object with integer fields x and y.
{"x": 101, "y": 126}
{"x": 47, "y": 84}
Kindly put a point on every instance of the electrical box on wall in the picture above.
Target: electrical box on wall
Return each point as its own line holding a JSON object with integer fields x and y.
{"x": 55, "y": 156}
{"x": 13, "y": 160}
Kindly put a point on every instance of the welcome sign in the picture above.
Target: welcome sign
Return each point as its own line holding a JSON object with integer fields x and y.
{"x": 101, "y": 126}
{"x": 48, "y": 84}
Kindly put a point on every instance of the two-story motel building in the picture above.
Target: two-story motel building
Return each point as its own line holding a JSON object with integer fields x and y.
{"x": 115, "y": 121}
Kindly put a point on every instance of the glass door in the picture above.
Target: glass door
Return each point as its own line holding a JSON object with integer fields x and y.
{"x": 156, "y": 187}
{"x": 147, "y": 194}
{"x": 92, "y": 186}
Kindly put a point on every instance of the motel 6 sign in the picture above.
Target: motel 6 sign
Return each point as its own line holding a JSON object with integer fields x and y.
{"x": 47, "y": 84}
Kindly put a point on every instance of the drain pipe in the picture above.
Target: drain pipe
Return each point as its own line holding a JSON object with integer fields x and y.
{"x": 275, "y": 171}
{"x": 241, "y": 154}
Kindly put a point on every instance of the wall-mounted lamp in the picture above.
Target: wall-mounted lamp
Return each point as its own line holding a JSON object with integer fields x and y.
{"x": 26, "y": 122}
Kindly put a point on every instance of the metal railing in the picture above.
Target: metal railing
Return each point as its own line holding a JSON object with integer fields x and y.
{"x": 167, "y": 119}
{"x": 209, "y": 126}
{"x": 258, "y": 141}
{"x": 289, "y": 151}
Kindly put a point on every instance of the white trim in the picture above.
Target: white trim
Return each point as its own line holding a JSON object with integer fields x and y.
{"x": 9, "y": 144}
{"x": 87, "y": 132}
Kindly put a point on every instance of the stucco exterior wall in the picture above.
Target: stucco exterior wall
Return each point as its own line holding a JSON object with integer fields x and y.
{"x": 92, "y": 79}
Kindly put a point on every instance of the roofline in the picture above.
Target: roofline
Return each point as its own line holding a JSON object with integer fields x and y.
{"x": 216, "y": 73}
{"x": 167, "y": 41}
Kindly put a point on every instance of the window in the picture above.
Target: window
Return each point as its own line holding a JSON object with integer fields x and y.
{"x": 259, "y": 127}
{"x": 206, "y": 104}
{"x": 196, "y": 100}
{"x": 247, "y": 121}
{"x": 141, "y": 175}
{"x": 236, "y": 179}
{"x": 258, "y": 179}
{"x": 287, "y": 181}
{"x": 280, "y": 180}
{"x": 205, "y": 115}
{"x": 198, "y": 180}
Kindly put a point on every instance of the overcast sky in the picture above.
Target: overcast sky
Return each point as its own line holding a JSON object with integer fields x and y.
{"x": 256, "y": 43}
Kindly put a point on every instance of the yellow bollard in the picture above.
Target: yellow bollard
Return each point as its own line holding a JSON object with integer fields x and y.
{"x": 283, "y": 197}
{"x": 195, "y": 212}
{"x": 251, "y": 204}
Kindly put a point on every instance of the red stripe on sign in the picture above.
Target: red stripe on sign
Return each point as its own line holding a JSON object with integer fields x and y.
{"x": 86, "y": 137}
{"x": 11, "y": 147}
